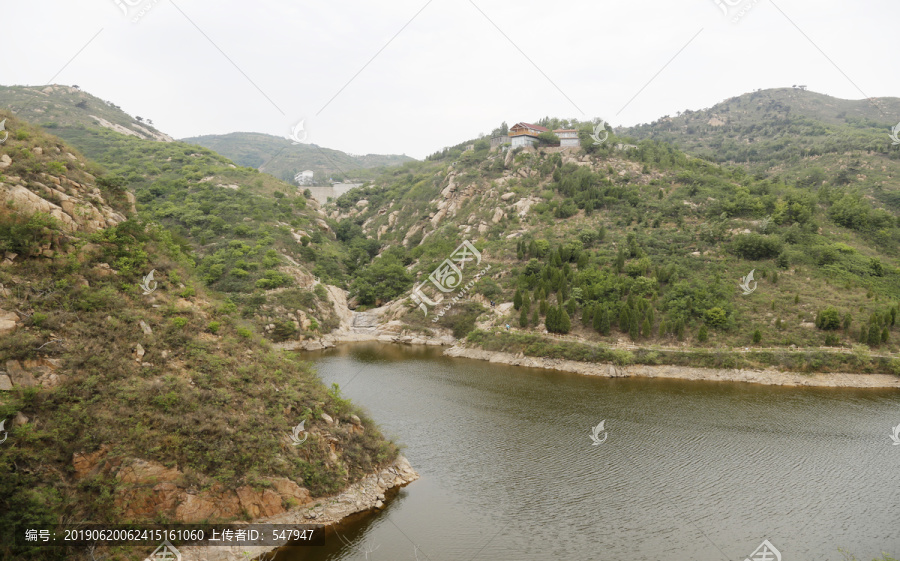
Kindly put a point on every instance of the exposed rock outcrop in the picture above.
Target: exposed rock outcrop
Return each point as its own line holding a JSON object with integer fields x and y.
{"x": 366, "y": 494}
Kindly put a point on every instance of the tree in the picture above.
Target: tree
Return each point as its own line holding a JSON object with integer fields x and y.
{"x": 828, "y": 319}
{"x": 535, "y": 319}
{"x": 548, "y": 139}
{"x": 565, "y": 323}
{"x": 645, "y": 328}
{"x": 885, "y": 334}
{"x": 679, "y": 330}
{"x": 757, "y": 337}
{"x": 848, "y": 320}
{"x": 716, "y": 317}
{"x": 523, "y": 318}
{"x": 517, "y": 299}
{"x": 874, "y": 338}
{"x": 703, "y": 335}
{"x": 863, "y": 334}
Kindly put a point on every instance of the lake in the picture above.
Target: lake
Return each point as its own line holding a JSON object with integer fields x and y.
{"x": 688, "y": 471}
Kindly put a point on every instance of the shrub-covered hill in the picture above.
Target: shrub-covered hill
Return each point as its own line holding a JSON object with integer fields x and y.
{"x": 284, "y": 159}
{"x": 798, "y": 135}
{"x": 643, "y": 244}
{"x": 254, "y": 237}
{"x": 125, "y": 406}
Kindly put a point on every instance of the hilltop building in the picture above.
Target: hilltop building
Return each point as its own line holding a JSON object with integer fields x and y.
{"x": 526, "y": 134}
{"x": 568, "y": 138}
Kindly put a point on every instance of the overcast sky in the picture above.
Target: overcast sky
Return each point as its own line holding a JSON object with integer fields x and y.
{"x": 413, "y": 76}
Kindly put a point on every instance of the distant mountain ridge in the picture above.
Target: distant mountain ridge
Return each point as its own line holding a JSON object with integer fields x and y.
{"x": 283, "y": 158}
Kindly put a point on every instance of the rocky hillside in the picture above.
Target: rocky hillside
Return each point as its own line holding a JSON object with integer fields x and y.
{"x": 645, "y": 245}
{"x": 67, "y": 108}
{"x": 131, "y": 399}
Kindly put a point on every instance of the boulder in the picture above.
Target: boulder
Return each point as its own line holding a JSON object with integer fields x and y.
{"x": 18, "y": 375}
{"x": 7, "y": 322}
{"x": 5, "y": 383}
{"x": 142, "y": 471}
{"x": 259, "y": 503}
{"x": 327, "y": 418}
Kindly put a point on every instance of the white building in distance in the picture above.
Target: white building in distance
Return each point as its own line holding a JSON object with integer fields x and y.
{"x": 304, "y": 177}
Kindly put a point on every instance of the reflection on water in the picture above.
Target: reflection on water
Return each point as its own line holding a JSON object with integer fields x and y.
{"x": 690, "y": 471}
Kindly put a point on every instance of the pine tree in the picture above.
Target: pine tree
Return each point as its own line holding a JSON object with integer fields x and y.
{"x": 703, "y": 335}
{"x": 796, "y": 298}
{"x": 544, "y": 307}
{"x": 517, "y": 299}
{"x": 523, "y": 318}
{"x": 663, "y": 329}
{"x": 570, "y": 307}
{"x": 624, "y": 325}
{"x": 645, "y": 329}
{"x": 848, "y": 319}
{"x": 598, "y": 317}
{"x": 885, "y": 334}
{"x": 757, "y": 337}
{"x": 620, "y": 260}
{"x": 604, "y": 323}
{"x": 587, "y": 314}
{"x": 526, "y": 302}
{"x": 874, "y": 338}
{"x": 679, "y": 330}
{"x": 535, "y": 318}
{"x": 863, "y": 334}
{"x": 634, "y": 332}
{"x": 565, "y": 323}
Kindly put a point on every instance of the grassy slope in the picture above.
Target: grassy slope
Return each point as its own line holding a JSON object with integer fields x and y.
{"x": 213, "y": 399}
{"x": 797, "y": 135}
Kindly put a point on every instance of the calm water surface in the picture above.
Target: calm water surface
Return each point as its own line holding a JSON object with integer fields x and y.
{"x": 690, "y": 471}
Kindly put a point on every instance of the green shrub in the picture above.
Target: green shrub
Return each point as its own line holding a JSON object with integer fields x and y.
{"x": 703, "y": 334}
{"x": 213, "y": 327}
{"x": 828, "y": 319}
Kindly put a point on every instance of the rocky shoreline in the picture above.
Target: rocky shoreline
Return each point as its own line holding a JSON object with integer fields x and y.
{"x": 769, "y": 376}
{"x": 366, "y": 494}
